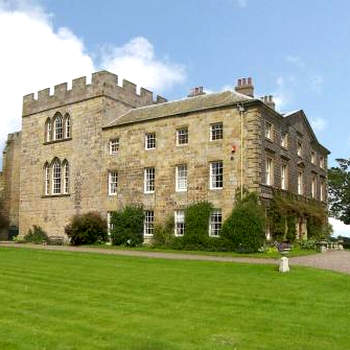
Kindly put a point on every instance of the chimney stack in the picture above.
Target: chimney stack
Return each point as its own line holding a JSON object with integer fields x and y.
{"x": 245, "y": 86}
{"x": 196, "y": 91}
{"x": 268, "y": 100}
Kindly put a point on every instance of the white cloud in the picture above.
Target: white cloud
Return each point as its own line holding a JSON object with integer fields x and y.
{"x": 283, "y": 94}
{"x": 296, "y": 60}
{"x": 35, "y": 56}
{"x": 136, "y": 61}
{"x": 318, "y": 124}
{"x": 339, "y": 228}
{"x": 242, "y": 3}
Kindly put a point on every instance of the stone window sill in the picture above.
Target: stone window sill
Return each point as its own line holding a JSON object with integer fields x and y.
{"x": 56, "y": 195}
{"x": 57, "y": 141}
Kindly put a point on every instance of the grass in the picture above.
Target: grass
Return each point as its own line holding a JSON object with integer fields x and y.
{"x": 269, "y": 254}
{"x": 62, "y": 300}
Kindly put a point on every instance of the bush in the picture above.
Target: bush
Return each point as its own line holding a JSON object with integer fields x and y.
{"x": 197, "y": 225}
{"x": 87, "y": 229}
{"x": 309, "y": 244}
{"x": 36, "y": 235}
{"x": 291, "y": 228}
{"x": 164, "y": 234}
{"x": 127, "y": 226}
{"x": 243, "y": 230}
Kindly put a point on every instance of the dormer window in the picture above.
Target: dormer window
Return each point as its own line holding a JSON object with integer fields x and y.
{"x": 268, "y": 130}
{"x": 284, "y": 140}
{"x": 300, "y": 149}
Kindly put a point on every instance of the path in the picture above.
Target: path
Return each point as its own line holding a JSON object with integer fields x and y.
{"x": 332, "y": 260}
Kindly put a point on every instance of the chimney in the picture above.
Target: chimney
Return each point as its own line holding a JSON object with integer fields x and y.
{"x": 245, "y": 86}
{"x": 196, "y": 91}
{"x": 268, "y": 100}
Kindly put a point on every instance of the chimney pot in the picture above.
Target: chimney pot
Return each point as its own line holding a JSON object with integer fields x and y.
{"x": 245, "y": 86}
{"x": 196, "y": 91}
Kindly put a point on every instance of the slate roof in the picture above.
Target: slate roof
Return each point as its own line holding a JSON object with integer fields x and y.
{"x": 186, "y": 105}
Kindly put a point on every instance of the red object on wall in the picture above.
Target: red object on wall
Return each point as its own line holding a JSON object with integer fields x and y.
{"x": 233, "y": 149}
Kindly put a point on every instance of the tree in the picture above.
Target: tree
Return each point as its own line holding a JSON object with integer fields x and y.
{"x": 339, "y": 190}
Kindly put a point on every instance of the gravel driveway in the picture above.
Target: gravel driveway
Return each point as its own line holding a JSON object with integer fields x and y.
{"x": 332, "y": 260}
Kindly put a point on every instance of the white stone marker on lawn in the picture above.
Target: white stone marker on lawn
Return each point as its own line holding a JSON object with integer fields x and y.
{"x": 284, "y": 266}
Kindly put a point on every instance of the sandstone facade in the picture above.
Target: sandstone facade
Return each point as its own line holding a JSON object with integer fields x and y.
{"x": 103, "y": 112}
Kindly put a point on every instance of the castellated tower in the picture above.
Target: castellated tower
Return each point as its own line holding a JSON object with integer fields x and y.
{"x": 77, "y": 147}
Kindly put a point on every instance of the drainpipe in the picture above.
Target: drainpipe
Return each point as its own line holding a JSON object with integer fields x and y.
{"x": 241, "y": 111}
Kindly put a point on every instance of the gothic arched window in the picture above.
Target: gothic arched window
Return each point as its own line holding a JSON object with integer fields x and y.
{"x": 58, "y": 127}
{"x": 56, "y": 177}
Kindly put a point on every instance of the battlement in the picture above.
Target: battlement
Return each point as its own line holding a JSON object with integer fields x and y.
{"x": 103, "y": 83}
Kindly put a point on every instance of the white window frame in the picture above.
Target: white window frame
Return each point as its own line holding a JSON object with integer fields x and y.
{"x": 148, "y": 224}
{"x": 67, "y": 127}
{"x": 150, "y": 140}
{"x": 58, "y": 131}
{"x": 313, "y": 187}
{"x": 114, "y": 146}
{"x": 269, "y": 171}
{"x": 181, "y": 178}
{"x": 179, "y": 221}
{"x": 112, "y": 182}
{"x": 284, "y": 177}
{"x": 47, "y": 179}
{"x": 215, "y": 223}
{"x": 268, "y": 130}
{"x": 322, "y": 190}
{"x": 66, "y": 178}
{"x": 322, "y": 162}
{"x": 149, "y": 180}
{"x": 56, "y": 178}
{"x": 216, "y": 171}
{"x": 216, "y": 131}
{"x": 179, "y": 136}
{"x": 300, "y": 183}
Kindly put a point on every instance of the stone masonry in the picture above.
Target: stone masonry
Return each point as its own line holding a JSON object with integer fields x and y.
{"x": 103, "y": 111}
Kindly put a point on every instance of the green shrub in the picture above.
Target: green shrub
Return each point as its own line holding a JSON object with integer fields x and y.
{"x": 36, "y": 235}
{"x": 244, "y": 229}
{"x": 127, "y": 226}
{"x": 197, "y": 225}
{"x": 291, "y": 228}
{"x": 164, "y": 234}
{"x": 309, "y": 244}
{"x": 87, "y": 228}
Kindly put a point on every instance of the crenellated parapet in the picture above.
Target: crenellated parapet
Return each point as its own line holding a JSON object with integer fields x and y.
{"x": 103, "y": 83}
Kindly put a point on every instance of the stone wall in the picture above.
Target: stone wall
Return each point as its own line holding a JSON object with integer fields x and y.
{"x": 11, "y": 178}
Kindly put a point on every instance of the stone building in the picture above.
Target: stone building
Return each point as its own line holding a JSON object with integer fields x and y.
{"x": 100, "y": 146}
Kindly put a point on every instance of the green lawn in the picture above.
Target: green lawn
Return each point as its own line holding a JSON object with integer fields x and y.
{"x": 61, "y": 300}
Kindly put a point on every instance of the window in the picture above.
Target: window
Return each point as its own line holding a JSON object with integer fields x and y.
{"x": 148, "y": 225}
{"x": 67, "y": 126}
{"x": 215, "y": 223}
{"x": 112, "y": 183}
{"x": 313, "y": 157}
{"x": 182, "y": 136}
{"x": 300, "y": 182}
{"x": 322, "y": 162}
{"x": 284, "y": 141}
{"x": 149, "y": 180}
{"x": 268, "y": 130}
{"x": 284, "y": 177}
{"x": 66, "y": 177}
{"x": 58, "y": 128}
{"x": 313, "y": 187}
{"x": 322, "y": 191}
{"x": 114, "y": 146}
{"x": 216, "y": 175}
{"x": 181, "y": 178}
{"x": 179, "y": 223}
{"x": 56, "y": 177}
{"x": 150, "y": 141}
{"x": 48, "y": 130}
{"x": 269, "y": 172}
{"x": 299, "y": 149}
{"x": 216, "y": 131}
{"x": 47, "y": 179}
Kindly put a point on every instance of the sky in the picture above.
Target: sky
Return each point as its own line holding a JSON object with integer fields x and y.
{"x": 298, "y": 51}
